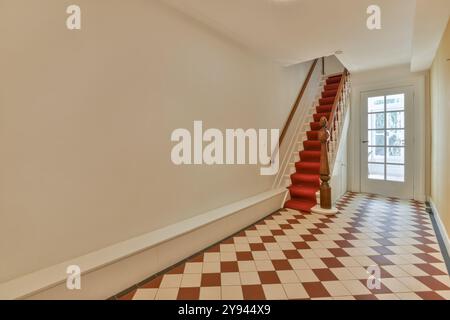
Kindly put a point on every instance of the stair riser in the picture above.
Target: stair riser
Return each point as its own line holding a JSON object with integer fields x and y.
{"x": 313, "y": 136}
{"x": 308, "y": 184}
{"x": 326, "y": 101}
{"x": 315, "y": 126}
{"x": 302, "y": 196}
{"x": 324, "y": 109}
{"x": 307, "y": 171}
{"x": 332, "y": 87}
{"x": 311, "y": 147}
{"x": 308, "y": 166}
{"x": 319, "y": 116}
{"x": 309, "y": 158}
{"x": 335, "y": 80}
{"x": 329, "y": 93}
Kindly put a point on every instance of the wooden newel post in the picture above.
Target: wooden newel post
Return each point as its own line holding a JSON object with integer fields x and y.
{"x": 325, "y": 189}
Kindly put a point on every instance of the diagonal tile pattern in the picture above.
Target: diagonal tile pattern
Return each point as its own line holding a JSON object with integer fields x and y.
{"x": 293, "y": 255}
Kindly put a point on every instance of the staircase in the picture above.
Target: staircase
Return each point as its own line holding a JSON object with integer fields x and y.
{"x": 306, "y": 179}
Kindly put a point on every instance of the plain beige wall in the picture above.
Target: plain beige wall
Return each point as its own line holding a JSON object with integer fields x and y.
{"x": 440, "y": 115}
{"x": 86, "y": 118}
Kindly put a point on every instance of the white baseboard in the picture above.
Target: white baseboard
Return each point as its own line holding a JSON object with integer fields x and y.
{"x": 116, "y": 268}
{"x": 441, "y": 226}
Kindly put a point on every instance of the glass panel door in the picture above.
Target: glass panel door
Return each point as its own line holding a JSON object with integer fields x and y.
{"x": 386, "y": 131}
{"x": 386, "y": 123}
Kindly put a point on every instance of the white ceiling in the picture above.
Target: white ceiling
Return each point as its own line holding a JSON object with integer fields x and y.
{"x": 292, "y": 31}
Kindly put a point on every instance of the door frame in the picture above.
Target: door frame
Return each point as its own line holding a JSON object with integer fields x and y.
{"x": 390, "y": 186}
{"x": 387, "y": 79}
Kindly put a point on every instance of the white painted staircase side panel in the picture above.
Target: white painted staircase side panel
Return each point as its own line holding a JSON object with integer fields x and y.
{"x": 113, "y": 269}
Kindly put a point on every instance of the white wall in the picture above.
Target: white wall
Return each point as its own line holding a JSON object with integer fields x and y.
{"x": 333, "y": 65}
{"x": 86, "y": 119}
{"x": 399, "y": 76}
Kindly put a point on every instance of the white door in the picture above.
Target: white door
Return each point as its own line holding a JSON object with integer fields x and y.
{"x": 387, "y": 130}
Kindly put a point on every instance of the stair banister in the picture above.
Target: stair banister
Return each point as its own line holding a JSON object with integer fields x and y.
{"x": 329, "y": 138}
{"x": 337, "y": 105}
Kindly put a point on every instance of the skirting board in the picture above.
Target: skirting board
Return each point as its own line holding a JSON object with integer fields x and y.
{"x": 441, "y": 226}
{"x": 111, "y": 270}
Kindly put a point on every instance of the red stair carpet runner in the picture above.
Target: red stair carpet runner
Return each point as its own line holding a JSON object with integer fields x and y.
{"x": 306, "y": 180}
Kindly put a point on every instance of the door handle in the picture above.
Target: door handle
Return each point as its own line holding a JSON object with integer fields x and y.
{"x": 365, "y": 141}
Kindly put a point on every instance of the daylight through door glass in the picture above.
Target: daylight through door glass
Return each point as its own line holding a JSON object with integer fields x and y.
{"x": 386, "y": 138}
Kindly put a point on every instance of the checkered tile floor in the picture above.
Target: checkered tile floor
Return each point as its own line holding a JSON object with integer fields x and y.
{"x": 292, "y": 255}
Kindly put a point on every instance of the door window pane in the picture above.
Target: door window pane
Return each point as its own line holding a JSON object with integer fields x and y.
{"x": 395, "y": 120}
{"x": 395, "y": 138}
{"x": 395, "y": 155}
{"x": 376, "y": 154}
{"x": 376, "y": 138}
{"x": 395, "y": 173}
{"x": 376, "y": 120}
{"x": 386, "y": 138}
{"x": 376, "y": 171}
{"x": 395, "y": 102}
{"x": 376, "y": 104}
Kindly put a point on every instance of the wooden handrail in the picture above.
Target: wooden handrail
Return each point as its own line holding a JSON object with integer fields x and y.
{"x": 297, "y": 101}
